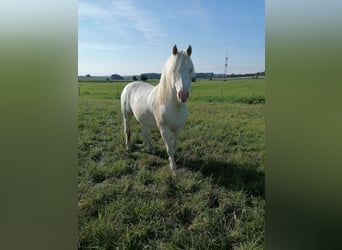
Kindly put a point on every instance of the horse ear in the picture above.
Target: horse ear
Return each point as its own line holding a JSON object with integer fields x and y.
{"x": 175, "y": 50}
{"x": 189, "y": 50}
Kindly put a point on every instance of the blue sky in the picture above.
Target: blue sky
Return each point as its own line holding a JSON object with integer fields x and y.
{"x": 130, "y": 37}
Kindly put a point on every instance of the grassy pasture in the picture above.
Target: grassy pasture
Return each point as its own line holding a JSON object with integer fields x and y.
{"x": 132, "y": 201}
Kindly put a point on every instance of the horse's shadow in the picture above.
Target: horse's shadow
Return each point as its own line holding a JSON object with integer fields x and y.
{"x": 235, "y": 177}
{"x": 232, "y": 176}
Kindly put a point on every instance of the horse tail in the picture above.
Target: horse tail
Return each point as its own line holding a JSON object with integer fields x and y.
{"x": 126, "y": 110}
{"x": 125, "y": 100}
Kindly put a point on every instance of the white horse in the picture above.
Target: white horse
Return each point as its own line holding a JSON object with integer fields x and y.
{"x": 162, "y": 106}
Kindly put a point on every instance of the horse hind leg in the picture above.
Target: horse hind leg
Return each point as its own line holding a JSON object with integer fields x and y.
{"x": 127, "y": 129}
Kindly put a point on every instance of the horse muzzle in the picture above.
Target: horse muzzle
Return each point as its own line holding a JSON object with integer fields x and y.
{"x": 182, "y": 95}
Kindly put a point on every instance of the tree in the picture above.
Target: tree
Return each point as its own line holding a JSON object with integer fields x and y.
{"x": 116, "y": 77}
{"x": 143, "y": 77}
{"x": 88, "y": 75}
{"x": 134, "y": 78}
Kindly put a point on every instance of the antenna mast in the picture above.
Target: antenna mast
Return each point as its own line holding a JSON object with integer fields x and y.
{"x": 225, "y": 66}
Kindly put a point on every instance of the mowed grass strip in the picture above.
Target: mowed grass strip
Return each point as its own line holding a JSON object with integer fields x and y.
{"x": 250, "y": 91}
{"x": 133, "y": 201}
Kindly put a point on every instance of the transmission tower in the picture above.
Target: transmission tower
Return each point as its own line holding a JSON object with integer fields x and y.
{"x": 225, "y": 66}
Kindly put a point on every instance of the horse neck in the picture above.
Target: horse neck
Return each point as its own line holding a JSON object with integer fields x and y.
{"x": 165, "y": 91}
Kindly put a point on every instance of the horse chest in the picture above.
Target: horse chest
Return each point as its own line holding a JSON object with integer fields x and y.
{"x": 175, "y": 117}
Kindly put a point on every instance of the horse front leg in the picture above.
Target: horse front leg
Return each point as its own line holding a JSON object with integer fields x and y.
{"x": 146, "y": 134}
{"x": 169, "y": 140}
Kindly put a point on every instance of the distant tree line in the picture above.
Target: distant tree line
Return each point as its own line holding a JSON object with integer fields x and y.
{"x": 205, "y": 75}
{"x": 256, "y": 75}
{"x": 151, "y": 76}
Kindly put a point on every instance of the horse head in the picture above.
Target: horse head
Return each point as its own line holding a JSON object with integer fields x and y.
{"x": 182, "y": 72}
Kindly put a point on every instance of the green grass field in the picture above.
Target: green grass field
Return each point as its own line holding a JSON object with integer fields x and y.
{"x": 133, "y": 201}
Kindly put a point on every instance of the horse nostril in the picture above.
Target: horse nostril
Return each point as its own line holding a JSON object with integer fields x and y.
{"x": 182, "y": 95}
